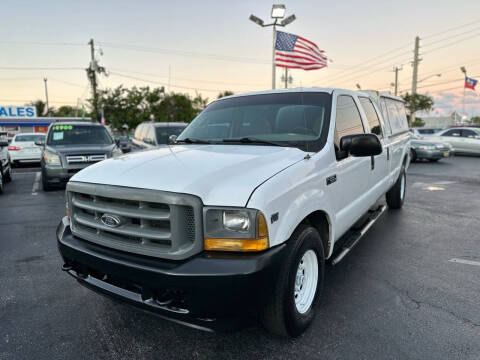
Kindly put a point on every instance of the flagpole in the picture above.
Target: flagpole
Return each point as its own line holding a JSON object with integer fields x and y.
{"x": 464, "y": 94}
{"x": 273, "y": 54}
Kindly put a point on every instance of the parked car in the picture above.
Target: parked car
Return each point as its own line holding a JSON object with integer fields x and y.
{"x": 5, "y": 165}
{"x": 239, "y": 215}
{"x": 72, "y": 146}
{"x": 124, "y": 143}
{"x": 425, "y": 131}
{"x": 465, "y": 141}
{"x": 427, "y": 149}
{"x": 23, "y": 149}
{"x": 152, "y": 134}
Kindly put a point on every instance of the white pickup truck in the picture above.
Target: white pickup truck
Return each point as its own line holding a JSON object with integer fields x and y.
{"x": 240, "y": 214}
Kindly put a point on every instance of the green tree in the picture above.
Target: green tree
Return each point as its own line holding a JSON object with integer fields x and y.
{"x": 41, "y": 107}
{"x": 418, "y": 123}
{"x": 224, "y": 93}
{"x": 417, "y": 102}
{"x": 64, "y": 111}
{"x": 475, "y": 120}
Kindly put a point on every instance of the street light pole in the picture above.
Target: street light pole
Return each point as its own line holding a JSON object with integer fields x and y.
{"x": 278, "y": 12}
{"x": 464, "y": 71}
{"x": 46, "y": 95}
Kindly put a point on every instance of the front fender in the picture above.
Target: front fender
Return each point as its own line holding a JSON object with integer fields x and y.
{"x": 294, "y": 194}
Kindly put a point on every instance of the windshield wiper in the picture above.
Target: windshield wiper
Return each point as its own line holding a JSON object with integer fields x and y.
{"x": 251, "y": 140}
{"x": 193, "y": 141}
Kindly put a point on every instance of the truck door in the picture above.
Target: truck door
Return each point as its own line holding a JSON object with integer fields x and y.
{"x": 379, "y": 179}
{"x": 352, "y": 173}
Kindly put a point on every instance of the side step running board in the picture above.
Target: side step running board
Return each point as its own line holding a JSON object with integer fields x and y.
{"x": 357, "y": 235}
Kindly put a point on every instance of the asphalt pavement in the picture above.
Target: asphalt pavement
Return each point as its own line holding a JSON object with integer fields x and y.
{"x": 409, "y": 290}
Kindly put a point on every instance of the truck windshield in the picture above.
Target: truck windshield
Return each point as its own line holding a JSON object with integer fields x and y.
{"x": 297, "y": 119}
{"x": 78, "y": 135}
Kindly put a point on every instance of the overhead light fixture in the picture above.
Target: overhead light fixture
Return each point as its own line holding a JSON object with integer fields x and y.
{"x": 288, "y": 20}
{"x": 278, "y": 11}
{"x": 463, "y": 69}
{"x": 256, "y": 20}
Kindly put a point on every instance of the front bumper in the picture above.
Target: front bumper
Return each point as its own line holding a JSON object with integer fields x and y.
{"x": 206, "y": 291}
{"x": 433, "y": 154}
{"x": 57, "y": 174}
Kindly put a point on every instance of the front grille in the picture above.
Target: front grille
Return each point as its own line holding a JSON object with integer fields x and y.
{"x": 152, "y": 223}
{"x": 72, "y": 159}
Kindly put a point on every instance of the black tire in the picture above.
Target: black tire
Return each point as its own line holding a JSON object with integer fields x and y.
{"x": 8, "y": 175}
{"x": 433, "y": 160}
{"x": 280, "y": 315}
{"x": 413, "y": 155}
{"x": 396, "y": 195}
{"x": 45, "y": 185}
{"x": 1, "y": 180}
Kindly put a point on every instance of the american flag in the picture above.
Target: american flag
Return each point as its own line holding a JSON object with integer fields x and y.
{"x": 295, "y": 52}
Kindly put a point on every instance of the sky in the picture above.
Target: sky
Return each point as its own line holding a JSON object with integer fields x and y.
{"x": 209, "y": 46}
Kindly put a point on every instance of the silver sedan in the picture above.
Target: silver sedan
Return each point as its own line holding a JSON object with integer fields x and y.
{"x": 463, "y": 140}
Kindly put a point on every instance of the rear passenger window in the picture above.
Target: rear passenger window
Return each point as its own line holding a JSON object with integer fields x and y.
{"x": 452, "y": 133}
{"x": 348, "y": 120}
{"x": 372, "y": 116}
{"x": 397, "y": 116}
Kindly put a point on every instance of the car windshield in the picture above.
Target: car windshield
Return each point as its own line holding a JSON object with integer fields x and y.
{"x": 79, "y": 135}
{"x": 298, "y": 119}
{"x": 164, "y": 132}
{"x": 29, "y": 138}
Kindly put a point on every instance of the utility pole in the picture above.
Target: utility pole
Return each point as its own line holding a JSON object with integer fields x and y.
{"x": 46, "y": 95}
{"x": 396, "y": 69}
{"x": 93, "y": 78}
{"x": 92, "y": 71}
{"x": 286, "y": 78}
{"x": 416, "y": 60}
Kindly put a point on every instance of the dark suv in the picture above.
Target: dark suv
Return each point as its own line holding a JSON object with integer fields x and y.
{"x": 72, "y": 146}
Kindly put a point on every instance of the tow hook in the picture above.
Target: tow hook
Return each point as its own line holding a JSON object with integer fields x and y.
{"x": 66, "y": 267}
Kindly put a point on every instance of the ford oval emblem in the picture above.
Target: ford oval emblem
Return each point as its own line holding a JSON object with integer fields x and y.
{"x": 111, "y": 220}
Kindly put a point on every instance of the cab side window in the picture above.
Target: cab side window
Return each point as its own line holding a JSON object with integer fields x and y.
{"x": 469, "y": 133}
{"x": 347, "y": 121}
{"x": 372, "y": 116}
{"x": 453, "y": 132}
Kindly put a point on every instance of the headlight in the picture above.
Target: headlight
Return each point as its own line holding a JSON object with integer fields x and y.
{"x": 116, "y": 152}
{"x": 235, "y": 230}
{"x": 51, "y": 158}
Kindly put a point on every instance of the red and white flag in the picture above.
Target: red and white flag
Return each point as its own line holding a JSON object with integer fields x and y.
{"x": 295, "y": 52}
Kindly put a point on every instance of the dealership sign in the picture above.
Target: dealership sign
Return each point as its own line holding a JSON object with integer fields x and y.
{"x": 9, "y": 112}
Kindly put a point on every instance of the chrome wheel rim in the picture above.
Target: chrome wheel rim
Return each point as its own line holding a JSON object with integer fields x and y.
{"x": 402, "y": 186}
{"x": 306, "y": 280}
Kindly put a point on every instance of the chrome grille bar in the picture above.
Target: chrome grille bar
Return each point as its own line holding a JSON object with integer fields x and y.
{"x": 85, "y": 158}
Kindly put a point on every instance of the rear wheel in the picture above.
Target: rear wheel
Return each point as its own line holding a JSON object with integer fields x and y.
{"x": 396, "y": 195}
{"x": 433, "y": 160}
{"x": 1, "y": 180}
{"x": 8, "y": 175}
{"x": 298, "y": 288}
{"x": 413, "y": 155}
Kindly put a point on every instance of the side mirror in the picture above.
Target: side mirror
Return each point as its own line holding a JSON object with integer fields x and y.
{"x": 172, "y": 139}
{"x": 40, "y": 142}
{"x": 361, "y": 145}
{"x": 117, "y": 142}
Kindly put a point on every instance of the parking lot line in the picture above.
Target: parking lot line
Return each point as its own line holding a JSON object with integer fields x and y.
{"x": 36, "y": 183}
{"x": 463, "y": 261}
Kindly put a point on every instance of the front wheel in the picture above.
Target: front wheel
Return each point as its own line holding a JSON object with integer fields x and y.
{"x": 45, "y": 185}
{"x": 396, "y": 195}
{"x": 1, "y": 180}
{"x": 413, "y": 155}
{"x": 299, "y": 284}
{"x": 8, "y": 175}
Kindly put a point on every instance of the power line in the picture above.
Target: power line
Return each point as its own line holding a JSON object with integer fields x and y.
{"x": 186, "y": 79}
{"x": 164, "y": 84}
{"x": 451, "y": 37}
{"x": 183, "y": 53}
{"x": 450, "y": 29}
{"x": 47, "y": 43}
{"x": 451, "y": 44}
{"x": 39, "y": 68}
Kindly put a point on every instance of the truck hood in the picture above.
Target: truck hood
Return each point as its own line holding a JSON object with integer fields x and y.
{"x": 81, "y": 149}
{"x": 218, "y": 174}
